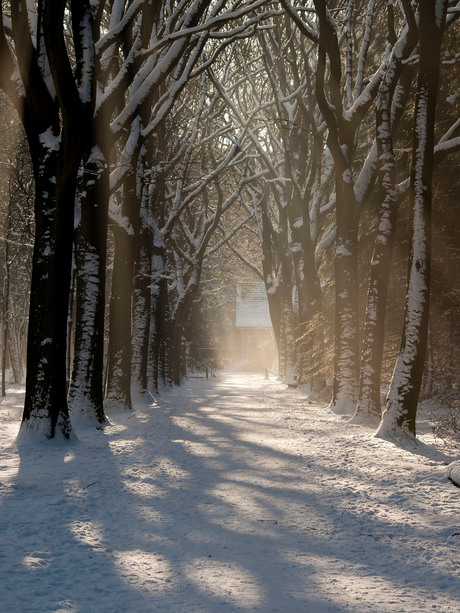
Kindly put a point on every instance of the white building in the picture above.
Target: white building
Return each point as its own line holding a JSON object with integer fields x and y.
{"x": 254, "y": 340}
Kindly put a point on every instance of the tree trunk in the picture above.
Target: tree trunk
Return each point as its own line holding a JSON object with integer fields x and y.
{"x": 401, "y": 409}
{"x": 309, "y": 295}
{"x": 118, "y": 393}
{"x": 126, "y": 235}
{"x": 141, "y": 317}
{"x": 45, "y": 408}
{"x": 389, "y": 108}
{"x": 160, "y": 334}
{"x": 429, "y": 382}
{"x": 6, "y": 298}
{"x": 369, "y": 405}
{"x": 176, "y": 352}
{"x": 346, "y": 360}
{"x": 341, "y": 141}
{"x": 287, "y": 326}
{"x": 54, "y": 119}
{"x": 142, "y": 307}
{"x": 86, "y": 394}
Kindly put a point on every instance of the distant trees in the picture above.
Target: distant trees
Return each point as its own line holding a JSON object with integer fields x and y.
{"x": 275, "y": 106}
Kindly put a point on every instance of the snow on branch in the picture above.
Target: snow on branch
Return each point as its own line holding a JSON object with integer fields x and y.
{"x": 123, "y": 24}
{"x": 327, "y": 239}
{"x": 306, "y": 26}
{"x": 212, "y": 23}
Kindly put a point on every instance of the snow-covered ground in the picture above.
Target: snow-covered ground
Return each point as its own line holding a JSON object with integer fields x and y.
{"x": 232, "y": 494}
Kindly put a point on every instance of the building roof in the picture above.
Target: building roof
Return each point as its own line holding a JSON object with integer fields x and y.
{"x": 252, "y": 306}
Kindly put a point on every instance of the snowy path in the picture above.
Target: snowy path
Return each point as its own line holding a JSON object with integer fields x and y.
{"x": 230, "y": 495}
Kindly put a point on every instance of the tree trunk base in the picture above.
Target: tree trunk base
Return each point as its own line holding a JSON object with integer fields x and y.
{"x": 38, "y": 429}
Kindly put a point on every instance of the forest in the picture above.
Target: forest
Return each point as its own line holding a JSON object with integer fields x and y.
{"x": 162, "y": 164}
{"x": 155, "y": 153}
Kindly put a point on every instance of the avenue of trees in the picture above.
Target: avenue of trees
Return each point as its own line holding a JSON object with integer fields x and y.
{"x": 152, "y": 148}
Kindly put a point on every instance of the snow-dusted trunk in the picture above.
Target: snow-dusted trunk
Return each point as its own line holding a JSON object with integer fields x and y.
{"x": 401, "y": 409}
{"x": 176, "y": 351}
{"x": 11, "y": 339}
{"x": 118, "y": 392}
{"x": 5, "y": 299}
{"x": 142, "y": 287}
{"x": 309, "y": 295}
{"x": 274, "y": 308}
{"x": 342, "y": 131}
{"x": 159, "y": 370}
{"x": 54, "y": 116}
{"x": 16, "y": 353}
{"x": 141, "y": 313}
{"x": 45, "y": 408}
{"x": 86, "y": 393}
{"x": 346, "y": 358}
{"x": 369, "y": 404}
{"x": 286, "y": 342}
{"x": 159, "y": 344}
{"x": 271, "y": 288}
{"x": 389, "y": 108}
{"x": 180, "y": 315}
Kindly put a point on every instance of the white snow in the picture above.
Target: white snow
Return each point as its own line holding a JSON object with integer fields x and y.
{"x": 232, "y": 494}
{"x": 49, "y": 141}
{"x": 453, "y": 472}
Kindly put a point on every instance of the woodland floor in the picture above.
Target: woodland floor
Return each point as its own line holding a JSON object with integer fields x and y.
{"x": 226, "y": 495}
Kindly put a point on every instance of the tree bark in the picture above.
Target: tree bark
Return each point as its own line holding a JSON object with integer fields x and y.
{"x": 86, "y": 393}
{"x": 388, "y": 112}
{"x": 341, "y": 144}
{"x": 53, "y": 126}
{"x": 45, "y": 408}
{"x": 399, "y": 417}
{"x": 118, "y": 393}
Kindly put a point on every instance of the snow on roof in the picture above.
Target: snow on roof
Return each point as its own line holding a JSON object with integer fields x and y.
{"x": 252, "y": 306}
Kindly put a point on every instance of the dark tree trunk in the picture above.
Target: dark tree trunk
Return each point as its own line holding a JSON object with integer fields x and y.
{"x": 389, "y": 109}
{"x": 309, "y": 293}
{"x": 176, "y": 352}
{"x": 142, "y": 314}
{"x": 401, "y": 409}
{"x": 86, "y": 393}
{"x": 342, "y": 131}
{"x": 346, "y": 360}
{"x": 45, "y": 409}
{"x": 118, "y": 393}
{"x": 160, "y": 331}
{"x": 126, "y": 235}
{"x": 6, "y": 297}
{"x": 53, "y": 124}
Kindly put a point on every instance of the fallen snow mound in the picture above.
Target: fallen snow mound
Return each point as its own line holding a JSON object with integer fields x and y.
{"x": 453, "y": 472}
